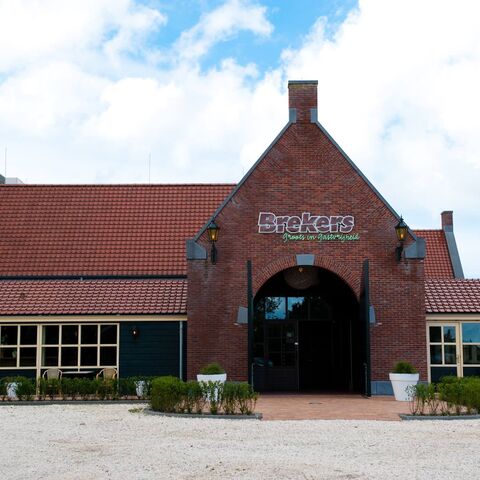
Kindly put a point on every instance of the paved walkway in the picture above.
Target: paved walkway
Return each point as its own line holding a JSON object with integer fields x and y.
{"x": 294, "y": 406}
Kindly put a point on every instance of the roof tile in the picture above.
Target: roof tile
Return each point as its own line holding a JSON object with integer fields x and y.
{"x": 437, "y": 259}
{"x": 82, "y": 230}
{"x": 452, "y": 296}
{"x": 93, "y": 297}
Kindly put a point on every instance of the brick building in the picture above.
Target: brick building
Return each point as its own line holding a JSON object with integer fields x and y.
{"x": 306, "y": 287}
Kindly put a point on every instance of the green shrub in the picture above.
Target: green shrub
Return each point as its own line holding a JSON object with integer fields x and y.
{"x": 3, "y": 389}
{"x": 247, "y": 398}
{"x": 404, "y": 367}
{"x": 49, "y": 387}
{"x": 107, "y": 388}
{"x": 26, "y": 387}
{"x": 451, "y": 396}
{"x": 167, "y": 394}
{"x": 424, "y": 399}
{"x": 194, "y": 400}
{"x": 230, "y": 397}
{"x": 213, "y": 368}
{"x": 213, "y": 393}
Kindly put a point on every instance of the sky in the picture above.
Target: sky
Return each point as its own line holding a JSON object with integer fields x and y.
{"x": 90, "y": 90}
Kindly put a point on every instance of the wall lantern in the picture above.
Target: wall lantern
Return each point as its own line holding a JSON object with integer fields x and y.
{"x": 401, "y": 229}
{"x": 135, "y": 332}
{"x": 212, "y": 231}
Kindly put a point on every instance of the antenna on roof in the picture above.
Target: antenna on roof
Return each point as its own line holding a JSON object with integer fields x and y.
{"x": 5, "y": 162}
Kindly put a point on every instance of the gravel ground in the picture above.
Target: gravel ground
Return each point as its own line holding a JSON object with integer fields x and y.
{"x": 109, "y": 441}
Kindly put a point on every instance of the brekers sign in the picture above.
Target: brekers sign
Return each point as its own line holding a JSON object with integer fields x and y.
{"x": 308, "y": 227}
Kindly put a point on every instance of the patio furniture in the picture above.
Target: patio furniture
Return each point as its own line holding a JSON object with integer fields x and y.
{"x": 52, "y": 373}
{"x": 107, "y": 373}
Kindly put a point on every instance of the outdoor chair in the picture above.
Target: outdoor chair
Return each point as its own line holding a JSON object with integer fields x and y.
{"x": 107, "y": 373}
{"x": 52, "y": 374}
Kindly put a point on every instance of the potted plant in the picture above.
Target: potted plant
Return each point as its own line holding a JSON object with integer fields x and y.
{"x": 211, "y": 378}
{"x": 404, "y": 375}
{"x": 213, "y": 372}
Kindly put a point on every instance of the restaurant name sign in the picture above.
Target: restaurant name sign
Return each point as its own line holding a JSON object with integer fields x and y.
{"x": 308, "y": 227}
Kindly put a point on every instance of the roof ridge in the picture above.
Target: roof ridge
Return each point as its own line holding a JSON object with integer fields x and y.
{"x": 206, "y": 184}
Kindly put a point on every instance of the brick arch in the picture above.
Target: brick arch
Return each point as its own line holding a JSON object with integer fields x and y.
{"x": 351, "y": 278}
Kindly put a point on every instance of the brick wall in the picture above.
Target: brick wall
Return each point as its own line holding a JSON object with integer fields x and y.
{"x": 304, "y": 172}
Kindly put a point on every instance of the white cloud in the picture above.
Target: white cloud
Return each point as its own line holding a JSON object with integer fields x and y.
{"x": 222, "y": 23}
{"x": 48, "y": 30}
{"x": 398, "y": 90}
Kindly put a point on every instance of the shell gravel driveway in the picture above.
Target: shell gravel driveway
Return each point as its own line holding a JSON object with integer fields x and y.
{"x": 108, "y": 441}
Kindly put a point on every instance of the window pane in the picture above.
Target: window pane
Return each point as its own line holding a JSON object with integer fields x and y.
{"x": 70, "y": 334}
{"x": 28, "y": 335}
{"x": 297, "y": 307}
{"x": 436, "y": 354}
{"x": 108, "y": 356}
{"x": 450, "y": 354}
{"x": 449, "y": 334}
{"x": 69, "y": 356}
{"x": 50, "y": 335}
{"x": 471, "y": 332}
{"x": 435, "y": 334}
{"x": 8, "y": 357}
{"x": 319, "y": 309}
{"x": 108, "y": 334}
{"x": 89, "y": 334}
{"x": 50, "y": 356}
{"x": 8, "y": 335}
{"x": 275, "y": 308}
{"x": 88, "y": 356}
{"x": 28, "y": 357}
{"x": 471, "y": 354}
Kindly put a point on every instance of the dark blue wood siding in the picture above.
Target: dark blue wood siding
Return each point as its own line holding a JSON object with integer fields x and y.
{"x": 156, "y": 351}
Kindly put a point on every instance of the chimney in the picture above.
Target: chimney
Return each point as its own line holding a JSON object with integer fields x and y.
{"x": 302, "y": 100}
{"x": 447, "y": 220}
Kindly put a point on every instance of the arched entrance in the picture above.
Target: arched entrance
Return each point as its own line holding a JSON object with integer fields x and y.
{"x": 307, "y": 333}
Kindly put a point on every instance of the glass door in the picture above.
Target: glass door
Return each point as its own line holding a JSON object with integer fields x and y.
{"x": 281, "y": 353}
{"x": 444, "y": 352}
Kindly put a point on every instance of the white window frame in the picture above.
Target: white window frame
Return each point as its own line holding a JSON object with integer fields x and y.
{"x": 40, "y": 345}
{"x": 457, "y": 323}
{"x": 18, "y": 345}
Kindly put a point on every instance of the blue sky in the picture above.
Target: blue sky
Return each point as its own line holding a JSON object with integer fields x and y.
{"x": 91, "y": 89}
{"x": 292, "y": 20}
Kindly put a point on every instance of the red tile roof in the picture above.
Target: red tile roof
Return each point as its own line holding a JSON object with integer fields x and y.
{"x": 437, "y": 259}
{"x": 82, "y": 230}
{"x": 93, "y": 297}
{"x": 452, "y": 296}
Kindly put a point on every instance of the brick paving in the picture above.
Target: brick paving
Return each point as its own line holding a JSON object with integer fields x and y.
{"x": 305, "y": 406}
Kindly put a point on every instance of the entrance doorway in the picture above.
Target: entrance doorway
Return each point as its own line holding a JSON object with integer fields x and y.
{"x": 307, "y": 333}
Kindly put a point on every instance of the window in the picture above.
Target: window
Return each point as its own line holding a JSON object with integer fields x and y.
{"x": 471, "y": 348}
{"x": 18, "y": 346}
{"x": 78, "y": 346}
{"x": 454, "y": 349}
{"x": 443, "y": 348}
{"x": 62, "y": 345}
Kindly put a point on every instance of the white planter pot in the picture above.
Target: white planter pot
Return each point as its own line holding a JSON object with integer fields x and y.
{"x": 12, "y": 390}
{"x": 221, "y": 378}
{"x": 400, "y": 383}
{"x": 140, "y": 388}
